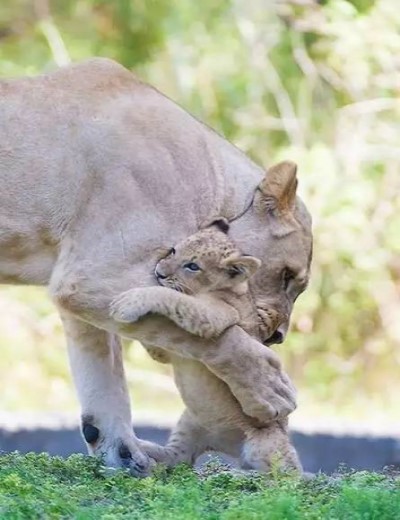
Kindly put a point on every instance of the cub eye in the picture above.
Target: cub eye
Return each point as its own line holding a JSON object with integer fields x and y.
{"x": 287, "y": 276}
{"x": 171, "y": 252}
{"x": 191, "y": 266}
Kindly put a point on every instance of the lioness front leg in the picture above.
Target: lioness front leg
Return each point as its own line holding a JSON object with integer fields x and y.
{"x": 204, "y": 318}
{"x": 96, "y": 362}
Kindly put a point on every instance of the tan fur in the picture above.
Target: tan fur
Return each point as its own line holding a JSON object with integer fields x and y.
{"x": 210, "y": 299}
{"x": 99, "y": 172}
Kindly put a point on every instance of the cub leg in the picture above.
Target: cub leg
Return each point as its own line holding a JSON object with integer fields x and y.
{"x": 96, "y": 363}
{"x": 204, "y": 318}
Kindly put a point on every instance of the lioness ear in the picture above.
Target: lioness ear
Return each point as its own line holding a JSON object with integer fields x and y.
{"x": 277, "y": 196}
{"x": 241, "y": 267}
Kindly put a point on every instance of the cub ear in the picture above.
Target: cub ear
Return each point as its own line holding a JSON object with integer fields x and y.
{"x": 241, "y": 267}
{"x": 222, "y": 224}
{"x": 277, "y": 196}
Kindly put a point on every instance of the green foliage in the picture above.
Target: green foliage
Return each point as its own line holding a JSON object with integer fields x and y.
{"x": 316, "y": 82}
{"x": 38, "y": 486}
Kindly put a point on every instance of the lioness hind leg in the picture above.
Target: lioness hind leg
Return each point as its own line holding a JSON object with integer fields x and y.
{"x": 267, "y": 447}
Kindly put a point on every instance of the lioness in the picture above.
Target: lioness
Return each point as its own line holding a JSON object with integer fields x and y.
{"x": 211, "y": 276}
{"x": 99, "y": 173}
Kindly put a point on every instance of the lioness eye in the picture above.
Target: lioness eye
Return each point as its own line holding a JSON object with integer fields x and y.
{"x": 171, "y": 252}
{"x": 287, "y": 276}
{"x": 191, "y": 266}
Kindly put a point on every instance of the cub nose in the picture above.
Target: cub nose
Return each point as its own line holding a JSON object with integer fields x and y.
{"x": 159, "y": 275}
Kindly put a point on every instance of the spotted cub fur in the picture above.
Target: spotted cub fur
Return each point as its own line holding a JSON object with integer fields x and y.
{"x": 205, "y": 290}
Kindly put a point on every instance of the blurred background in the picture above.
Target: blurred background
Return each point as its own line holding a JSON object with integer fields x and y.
{"x": 317, "y": 82}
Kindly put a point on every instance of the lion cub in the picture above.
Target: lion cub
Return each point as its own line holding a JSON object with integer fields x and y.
{"x": 204, "y": 291}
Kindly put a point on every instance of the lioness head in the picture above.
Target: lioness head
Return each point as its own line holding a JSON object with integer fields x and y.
{"x": 206, "y": 261}
{"x": 277, "y": 229}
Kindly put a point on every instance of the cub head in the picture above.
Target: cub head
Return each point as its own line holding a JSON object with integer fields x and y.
{"x": 206, "y": 261}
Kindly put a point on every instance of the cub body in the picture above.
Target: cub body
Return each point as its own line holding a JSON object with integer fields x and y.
{"x": 207, "y": 267}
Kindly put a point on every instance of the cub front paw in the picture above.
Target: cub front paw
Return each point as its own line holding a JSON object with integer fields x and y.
{"x": 128, "y": 308}
{"x": 204, "y": 330}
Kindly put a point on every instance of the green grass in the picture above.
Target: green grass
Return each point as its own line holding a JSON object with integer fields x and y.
{"x": 38, "y": 486}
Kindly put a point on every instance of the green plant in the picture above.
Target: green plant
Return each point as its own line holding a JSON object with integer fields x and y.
{"x": 38, "y": 486}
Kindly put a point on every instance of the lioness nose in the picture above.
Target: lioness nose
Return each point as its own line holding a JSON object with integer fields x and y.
{"x": 277, "y": 337}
